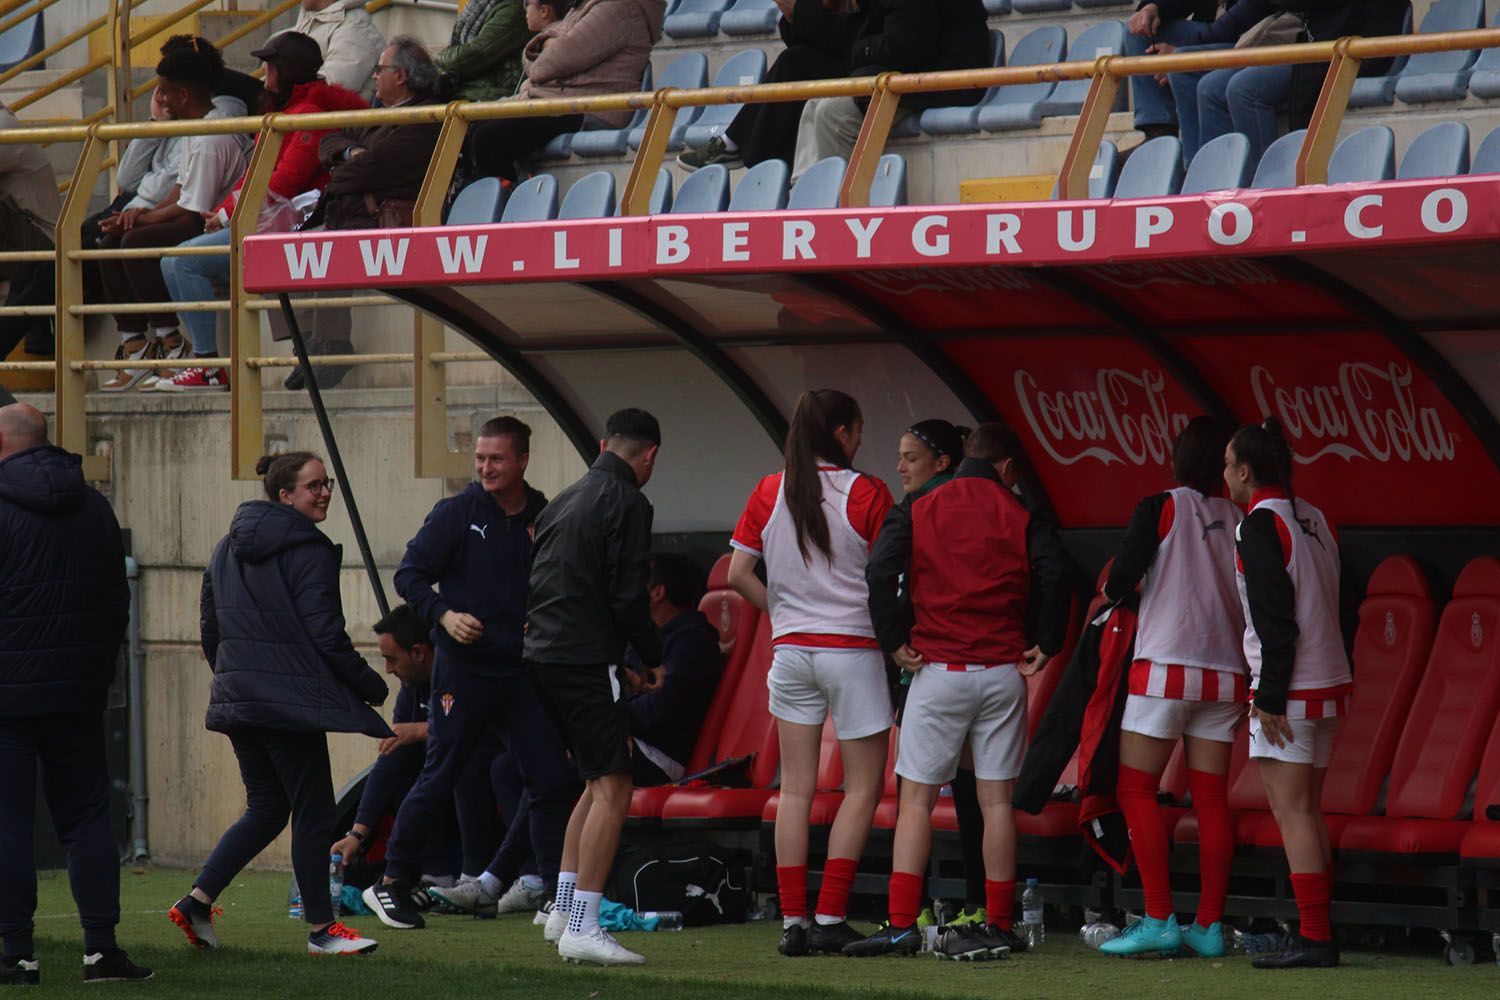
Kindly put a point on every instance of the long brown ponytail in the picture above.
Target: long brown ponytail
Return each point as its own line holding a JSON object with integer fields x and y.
{"x": 809, "y": 442}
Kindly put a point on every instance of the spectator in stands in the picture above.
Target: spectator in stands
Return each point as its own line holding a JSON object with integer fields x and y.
{"x": 293, "y": 88}
{"x": 62, "y": 619}
{"x": 482, "y": 61}
{"x": 1287, "y": 560}
{"x": 600, "y": 47}
{"x": 664, "y": 724}
{"x": 588, "y": 598}
{"x": 348, "y": 39}
{"x": 818, "y": 35}
{"x": 814, "y": 524}
{"x": 29, "y": 207}
{"x": 896, "y": 36}
{"x": 207, "y": 167}
{"x": 1187, "y": 682}
{"x": 1161, "y": 26}
{"x": 285, "y": 676}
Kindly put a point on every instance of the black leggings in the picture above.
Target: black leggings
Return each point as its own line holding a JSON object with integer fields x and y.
{"x": 286, "y": 774}
{"x": 496, "y": 145}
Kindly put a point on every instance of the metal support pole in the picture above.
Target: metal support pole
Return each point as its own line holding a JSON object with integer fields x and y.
{"x": 139, "y": 800}
{"x": 331, "y": 443}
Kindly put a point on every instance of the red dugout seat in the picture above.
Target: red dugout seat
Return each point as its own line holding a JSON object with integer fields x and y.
{"x": 1481, "y": 844}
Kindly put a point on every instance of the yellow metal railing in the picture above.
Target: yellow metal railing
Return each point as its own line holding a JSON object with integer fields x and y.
{"x": 433, "y": 457}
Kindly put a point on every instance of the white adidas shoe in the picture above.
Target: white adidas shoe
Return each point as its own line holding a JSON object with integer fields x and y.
{"x": 598, "y": 948}
{"x": 557, "y": 922}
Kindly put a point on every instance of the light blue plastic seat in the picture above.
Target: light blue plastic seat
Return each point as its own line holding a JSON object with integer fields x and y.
{"x": 1367, "y": 155}
{"x": 705, "y": 190}
{"x": 695, "y": 19}
{"x": 590, "y": 197}
{"x": 762, "y": 188}
{"x": 743, "y": 69}
{"x": 559, "y": 147}
{"x": 1153, "y": 169}
{"x": 1223, "y": 164}
{"x": 1487, "y": 156}
{"x": 1107, "y": 39}
{"x": 1103, "y": 172}
{"x": 1439, "y": 151}
{"x": 1016, "y": 106}
{"x": 1378, "y": 91}
{"x": 1278, "y": 164}
{"x": 534, "y": 200}
{"x": 687, "y": 72}
{"x": 1038, "y": 6}
{"x": 1442, "y": 76}
{"x": 1102, "y": 3}
{"x": 1485, "y": 80}
{"x": 955, "y": 121}
{"x": 21, "y": 41}
{"x": 660, "y": 201}
{"x": 819, "y": 187}
{"x": 994, "y": 7}
{"x": 750, "y": 17}
{"x": 478, "y": 204}
{"x": 610, "y": 141}
{"x": 888, "y": 188}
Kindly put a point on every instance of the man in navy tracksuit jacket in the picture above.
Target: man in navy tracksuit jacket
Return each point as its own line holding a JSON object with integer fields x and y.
{"x": 475, "y": 549}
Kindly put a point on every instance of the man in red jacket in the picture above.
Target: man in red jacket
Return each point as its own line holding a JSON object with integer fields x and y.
{"x": 973, "y": 560}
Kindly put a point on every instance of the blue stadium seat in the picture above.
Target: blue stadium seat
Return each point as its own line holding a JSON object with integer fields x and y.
{"x": 534, "y": 200}
{"x": 955, "y": 121}
{"x": 1038, "y": 6}
{"x": 695, "y": 19}
{"x": 1367, "y": 155}
{"x": 610, "y": 141}
{"x": 1442, "y": 76}
{"x": 819, "y": 187}
{"x": 741, "y": 70}
{"x": 762, "y": 189}
{"x": 1485, "y": 80}
{"x": 20, "y": 41}
{"x": 687, "y": 72}
{"x": 993, "y": 7}
{"x": 750, "y": 17}
{"x": 1106, "y": 39}
{"x": 1373, "y": 91}
{"x": 705, "y": 190}
{"x": 661, "y": 193}
{"x": 1278, "y": 164}
{"x": 1102, "y": 3}
{"x": 478, "y": 204}
{"x": 1153, "y": 169}
{"x": 1487, "y": 156}
{"x": 1439, "y": 151}
{"x": 559, "y": 147}
{"x": 1016, "y": 106}
{"x": 590, "y": 197}
{"x": 1103, "y": 172}
{"x": 889, "y": 186}
{"x": 1223, "y": 164}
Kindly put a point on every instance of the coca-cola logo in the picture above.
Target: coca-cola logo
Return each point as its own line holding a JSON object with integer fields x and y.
{"x": 1124, "y": 418}
{"x": 1369, "y": 412}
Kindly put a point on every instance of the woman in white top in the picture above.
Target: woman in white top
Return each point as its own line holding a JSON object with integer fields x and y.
{"x": 813, "y": 524}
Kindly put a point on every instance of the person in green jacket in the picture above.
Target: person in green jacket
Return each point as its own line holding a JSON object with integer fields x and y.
{"x": 482, "y": 61}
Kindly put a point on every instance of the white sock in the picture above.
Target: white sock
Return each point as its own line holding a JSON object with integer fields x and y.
{"x": 532, "y": 882}
{"x": 566, "y": 883}
{"x": 824, "y": 920}
{"x": 793, "y": 921}
{"x": 584, "y": 916}
{"x": 491, "y": 884}
{"x": 730, "y": 146}
{"x": 166, "y": 331}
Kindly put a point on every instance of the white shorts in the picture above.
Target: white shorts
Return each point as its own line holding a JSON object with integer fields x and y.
{"x": 947, "y": 708}
{"x": 1312, "y": 742}
{"x": 1171, "y": 718}
{"x": 807, "y": 685}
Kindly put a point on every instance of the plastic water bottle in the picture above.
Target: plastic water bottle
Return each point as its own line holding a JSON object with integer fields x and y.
{"x": 294, "y": 901}
{"x": 666, "y": 920}
{"x": 1031, "y": 915}
{"x": 335, "y": 880}
{"x": 1259, "y": 944}
{"x": 1096, "y": 933}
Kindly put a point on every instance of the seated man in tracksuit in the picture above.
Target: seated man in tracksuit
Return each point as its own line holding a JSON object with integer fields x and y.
{"x": 974, "y": 561}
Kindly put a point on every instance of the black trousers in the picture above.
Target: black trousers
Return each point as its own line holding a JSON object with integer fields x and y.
{"x": 496, "y": 145}
{"x": 286, "y": 776}
{"x": 75, "y": 781}
{"x": 769, "y": 131}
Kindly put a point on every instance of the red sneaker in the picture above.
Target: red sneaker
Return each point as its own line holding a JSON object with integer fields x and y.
{"x": 194, "y": 378}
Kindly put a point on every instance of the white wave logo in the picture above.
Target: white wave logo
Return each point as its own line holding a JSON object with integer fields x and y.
{"x": 1124, "y": 419}
{"x": 1369, "y": 413}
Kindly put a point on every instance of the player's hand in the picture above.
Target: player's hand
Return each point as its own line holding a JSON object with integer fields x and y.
{"x": 1144, "y": 22}
{"x": 158, "y": 110}
{"x": 213, "y": 223}
{"x": 109, "y": 223}
{"x": 1032, "y": 661}
{"x": 908, "y": 659}
{"x": 128, "y": 218}
{"x": 349, "y": 847}
{"x": 652, "y": 679}
{"x": 1161, "y": 49}
{"x": 407, "y": 733}
{"x": 464, "y": 628}
{"x": 1275, "y": 728}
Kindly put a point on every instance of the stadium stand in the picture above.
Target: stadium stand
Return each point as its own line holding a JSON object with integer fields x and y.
{"x": 533, "y": 200}
{"x": 819, "y": 187}
{"x": 1367, "y": 155}
{"x": 1222, "y": 164}
{"x": 1439, "y": 151}
{"x": 1154, "y": 169}
{"x": 705, "y": 190}
{"x": 763, "y": 188}
{"x": 1278, "y": 164}
{"x": 479, "y": 203}
{"x": 593, "y": 197}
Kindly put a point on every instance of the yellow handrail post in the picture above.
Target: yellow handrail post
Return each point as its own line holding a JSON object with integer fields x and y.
{"x": 72, "y": 386}
{"x": 1327, "y": 116}
{"x": 659, "y": 120}
{"x": 124, "y": 96}
{"x": 1073, "y": 178}
{"x": 247, "y": 431}
{"x": 429, "y": 382}
{"x": 854, "y": 192}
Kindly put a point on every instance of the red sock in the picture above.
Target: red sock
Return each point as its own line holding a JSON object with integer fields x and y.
{"x": 791, "y": 883}
{"x": 1215, "y": 842}
{"x": 1000, "y": 902}
{"x": 906, "y": 898}
{"x": 838, "y": 876}
{"x": 1313, "y": 891}
{"x": 1136, "y": 792}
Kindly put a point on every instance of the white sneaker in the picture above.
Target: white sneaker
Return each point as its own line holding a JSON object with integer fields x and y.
{"x": 557, "y": 922}
{"x": 338, "y": 939}
{"x": 519, "y": 898}
{"x": 543, "y": 913}
{"x": 469, "y": 897}
{"x": 598, "y": 948}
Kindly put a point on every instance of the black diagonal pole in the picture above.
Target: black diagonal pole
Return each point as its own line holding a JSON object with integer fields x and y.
{"x": 331, "y": 443}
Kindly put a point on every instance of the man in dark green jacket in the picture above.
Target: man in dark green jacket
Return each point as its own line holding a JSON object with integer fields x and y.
{"x": 483, "y": 57}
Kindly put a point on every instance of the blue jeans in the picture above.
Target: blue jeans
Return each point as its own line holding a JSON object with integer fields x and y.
{"x": 1187, "y": 94}
{"x": 1244, "y": 100}
{"x": 1151, "y": 101}
{"x": 192, "y": 279}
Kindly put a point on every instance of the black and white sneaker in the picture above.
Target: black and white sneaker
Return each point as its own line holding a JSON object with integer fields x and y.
{"x": 339, "y": 939}
{"x": 112, "y": 965}
{"x": 830, "y": 939}
{"x": 959, "y": 943}
{"x": 889, "y": 940}
{"x": 793, "y": 941}
{"x": 25, "y": 971}
{"x": 393, "y": 904}
{"x": 196, "y": 920}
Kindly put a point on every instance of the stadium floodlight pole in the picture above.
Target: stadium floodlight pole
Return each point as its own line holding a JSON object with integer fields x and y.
{"x": 331, "y": 443}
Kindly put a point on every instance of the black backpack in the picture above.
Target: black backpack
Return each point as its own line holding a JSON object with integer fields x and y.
{"x": 698, "y": 880}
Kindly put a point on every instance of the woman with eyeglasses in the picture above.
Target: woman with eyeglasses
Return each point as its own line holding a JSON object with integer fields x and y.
{"x": 285, "y": 675}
